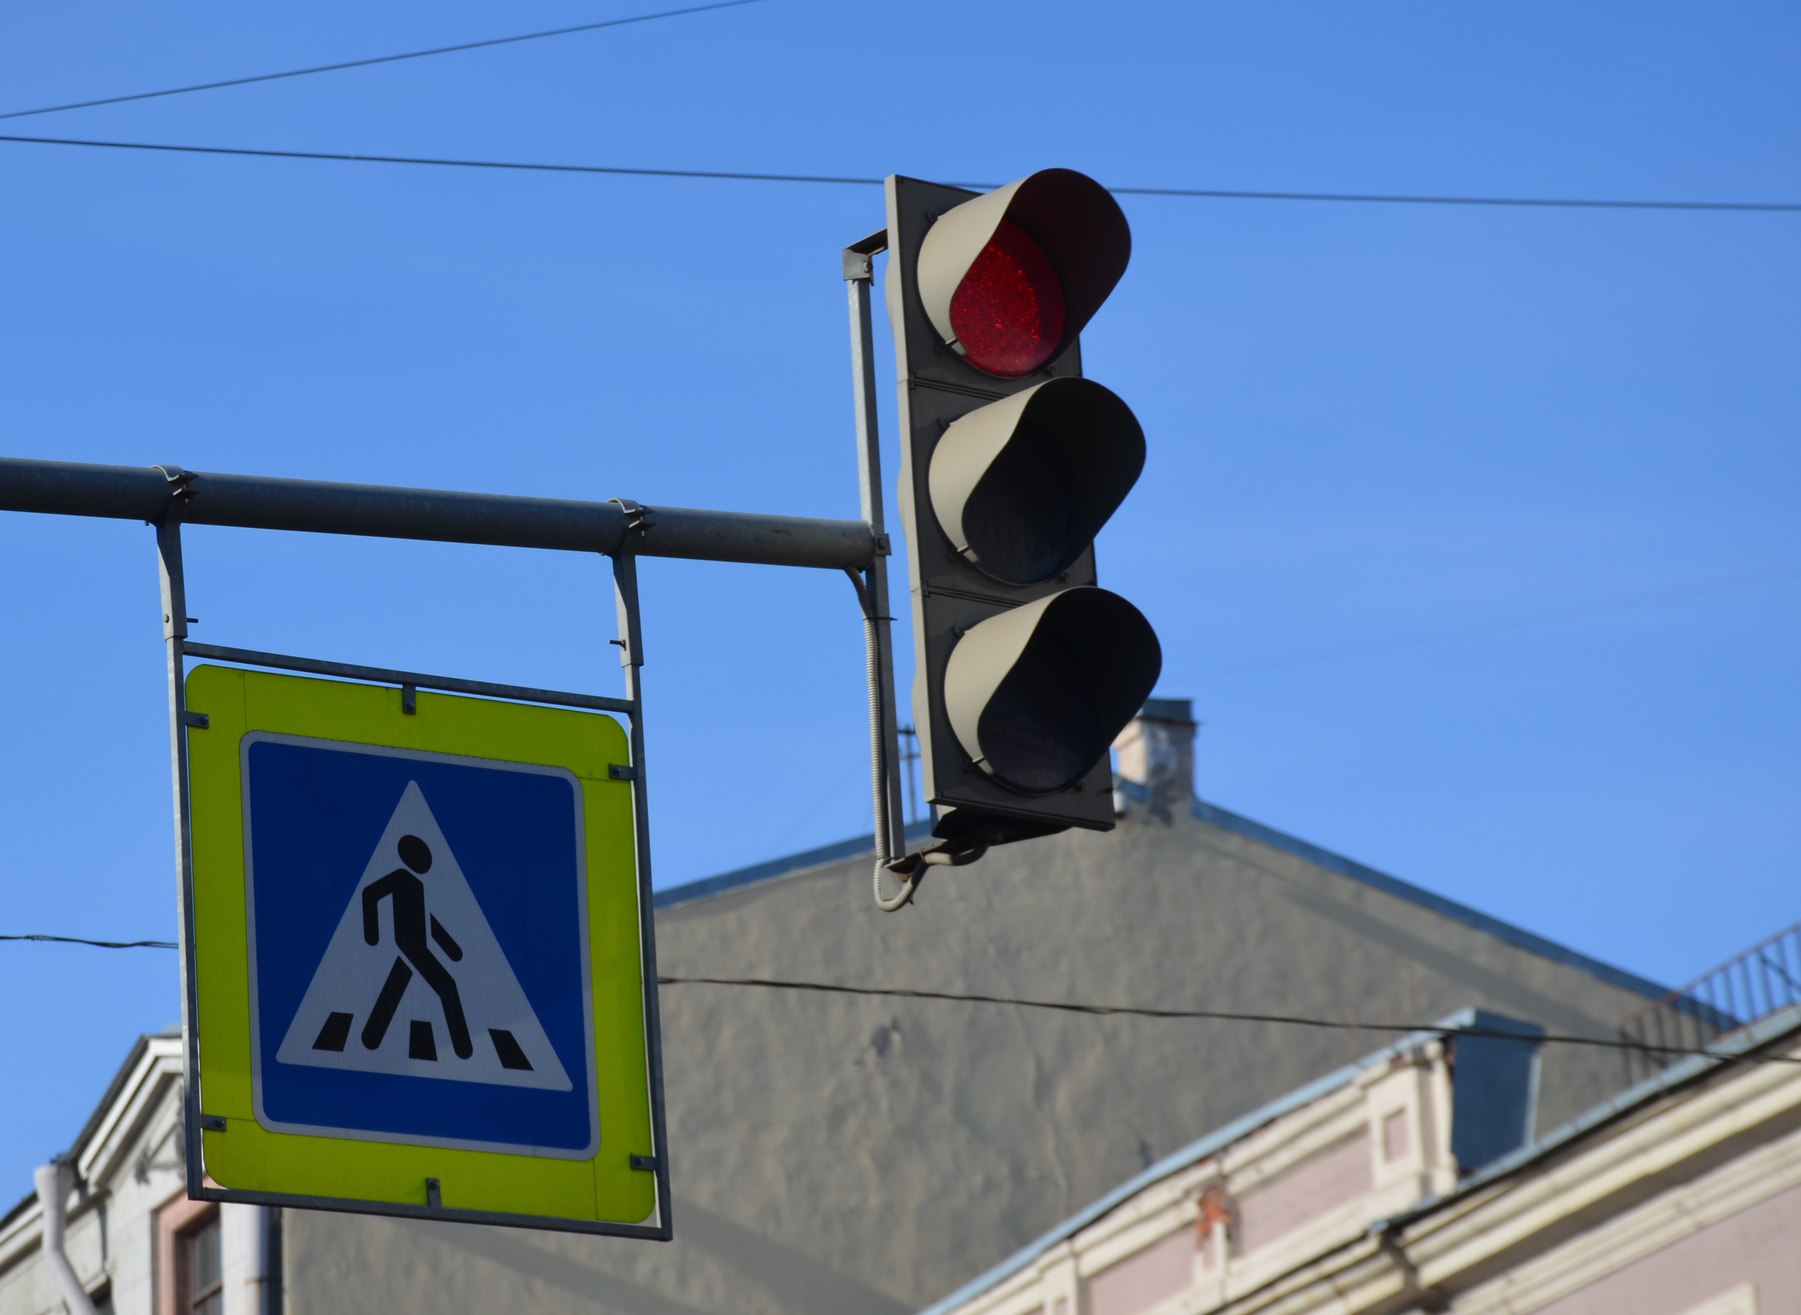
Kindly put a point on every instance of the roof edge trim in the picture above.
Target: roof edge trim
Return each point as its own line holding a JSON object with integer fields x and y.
{"x": 1226, "y": 820}
{"x": 1723, "y": 1054}
{"x": 704, "y": 888}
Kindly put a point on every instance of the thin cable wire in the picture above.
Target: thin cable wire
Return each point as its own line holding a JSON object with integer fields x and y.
{"x": 626, "y": 171}
{"x": 1216, "y": 1015}
{"x": 1070, "y": 1007}
{"x": 748, "y": 176}
{"x": 378, "y": 59}
{"x": 82, "y": 940}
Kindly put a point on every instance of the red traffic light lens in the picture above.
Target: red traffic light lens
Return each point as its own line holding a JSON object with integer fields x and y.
{"x": 1007, "y": 312}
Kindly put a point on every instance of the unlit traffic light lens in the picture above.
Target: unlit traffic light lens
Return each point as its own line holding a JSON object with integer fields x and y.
{"x": 1007, "y": 313}
{"x": 1036, "y": 736}
{"x": 1035, "y": 695}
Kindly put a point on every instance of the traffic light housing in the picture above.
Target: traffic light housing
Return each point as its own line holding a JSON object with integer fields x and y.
{"x": 1011, "y": 464}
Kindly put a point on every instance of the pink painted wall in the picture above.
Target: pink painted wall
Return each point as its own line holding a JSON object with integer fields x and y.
{"x": 1317, "y": 1184}
{"x": 1142, "y": 1280}
{"x": 1760, "y": 1245}
{"x": 172, "y": 1220}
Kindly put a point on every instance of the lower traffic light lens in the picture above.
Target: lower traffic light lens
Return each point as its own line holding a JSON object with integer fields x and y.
{"x": 1035, "y": 695}
{"x": 1037, "y": 736}
{"x": 1007, "y": 313}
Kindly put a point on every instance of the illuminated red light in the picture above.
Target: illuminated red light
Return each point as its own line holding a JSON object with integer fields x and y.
{"x": 1007, "y": 313}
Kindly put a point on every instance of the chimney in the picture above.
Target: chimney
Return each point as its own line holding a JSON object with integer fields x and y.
{"x": 1156, "y": 759}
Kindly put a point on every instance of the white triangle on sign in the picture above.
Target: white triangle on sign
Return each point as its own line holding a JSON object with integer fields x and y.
{"x": 434, "y": 996}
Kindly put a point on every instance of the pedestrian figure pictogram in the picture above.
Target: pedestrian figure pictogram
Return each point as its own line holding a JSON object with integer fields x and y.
{"x": 394, "y": 957}
{"x": 407, "y": 892}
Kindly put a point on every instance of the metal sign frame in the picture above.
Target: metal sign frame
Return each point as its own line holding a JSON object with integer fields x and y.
{"x": 179, "y": 650}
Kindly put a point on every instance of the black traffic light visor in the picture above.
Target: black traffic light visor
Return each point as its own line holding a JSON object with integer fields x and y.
{"x": 1022, "y": 485}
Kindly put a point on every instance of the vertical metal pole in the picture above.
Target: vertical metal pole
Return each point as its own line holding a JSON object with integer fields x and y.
{"x": 631, "y": 658}
{"x": 859, "y": 265}
{"x": 175, "y": 632}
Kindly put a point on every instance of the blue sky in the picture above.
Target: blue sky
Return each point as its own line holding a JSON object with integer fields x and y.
{"x": 1469, "y": 531}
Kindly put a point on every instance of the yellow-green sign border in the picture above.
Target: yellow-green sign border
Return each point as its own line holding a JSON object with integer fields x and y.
{"x": 610, "y": 1192}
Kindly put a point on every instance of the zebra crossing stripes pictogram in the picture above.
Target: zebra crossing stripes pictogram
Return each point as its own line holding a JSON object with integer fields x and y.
{"x": 413, "y": 981}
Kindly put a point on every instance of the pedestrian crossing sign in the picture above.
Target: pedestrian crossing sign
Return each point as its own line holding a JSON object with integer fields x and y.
{"x": 418, "y": 954}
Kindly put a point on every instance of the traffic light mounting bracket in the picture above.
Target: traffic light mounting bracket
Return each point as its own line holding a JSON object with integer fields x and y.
{"x": 872, "y": 582}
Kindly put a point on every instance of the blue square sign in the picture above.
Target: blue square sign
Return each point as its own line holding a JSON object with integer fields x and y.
{"x": 418, "y": 955}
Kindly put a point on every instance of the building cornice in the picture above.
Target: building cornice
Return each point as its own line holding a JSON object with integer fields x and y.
{"x": 1455, "y": 1246}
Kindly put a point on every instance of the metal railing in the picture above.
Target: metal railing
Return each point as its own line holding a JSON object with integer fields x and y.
{"x": 1757, "y": 983}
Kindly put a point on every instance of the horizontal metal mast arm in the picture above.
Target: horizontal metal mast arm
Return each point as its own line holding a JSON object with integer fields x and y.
{"x": 255, "y": 502}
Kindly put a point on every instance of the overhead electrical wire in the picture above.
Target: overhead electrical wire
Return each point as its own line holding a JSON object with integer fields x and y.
{"x": 747, "y": 176}
{"x": 1215, "y": 1015}
{"x": 1071, "y": 1007}
{"x": 377, "y": 59}
{"x": 82, "y": 940}
{"x": 357, "y": 158}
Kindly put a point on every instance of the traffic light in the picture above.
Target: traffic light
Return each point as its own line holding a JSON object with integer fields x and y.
{"x": 1011, "y": 464}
